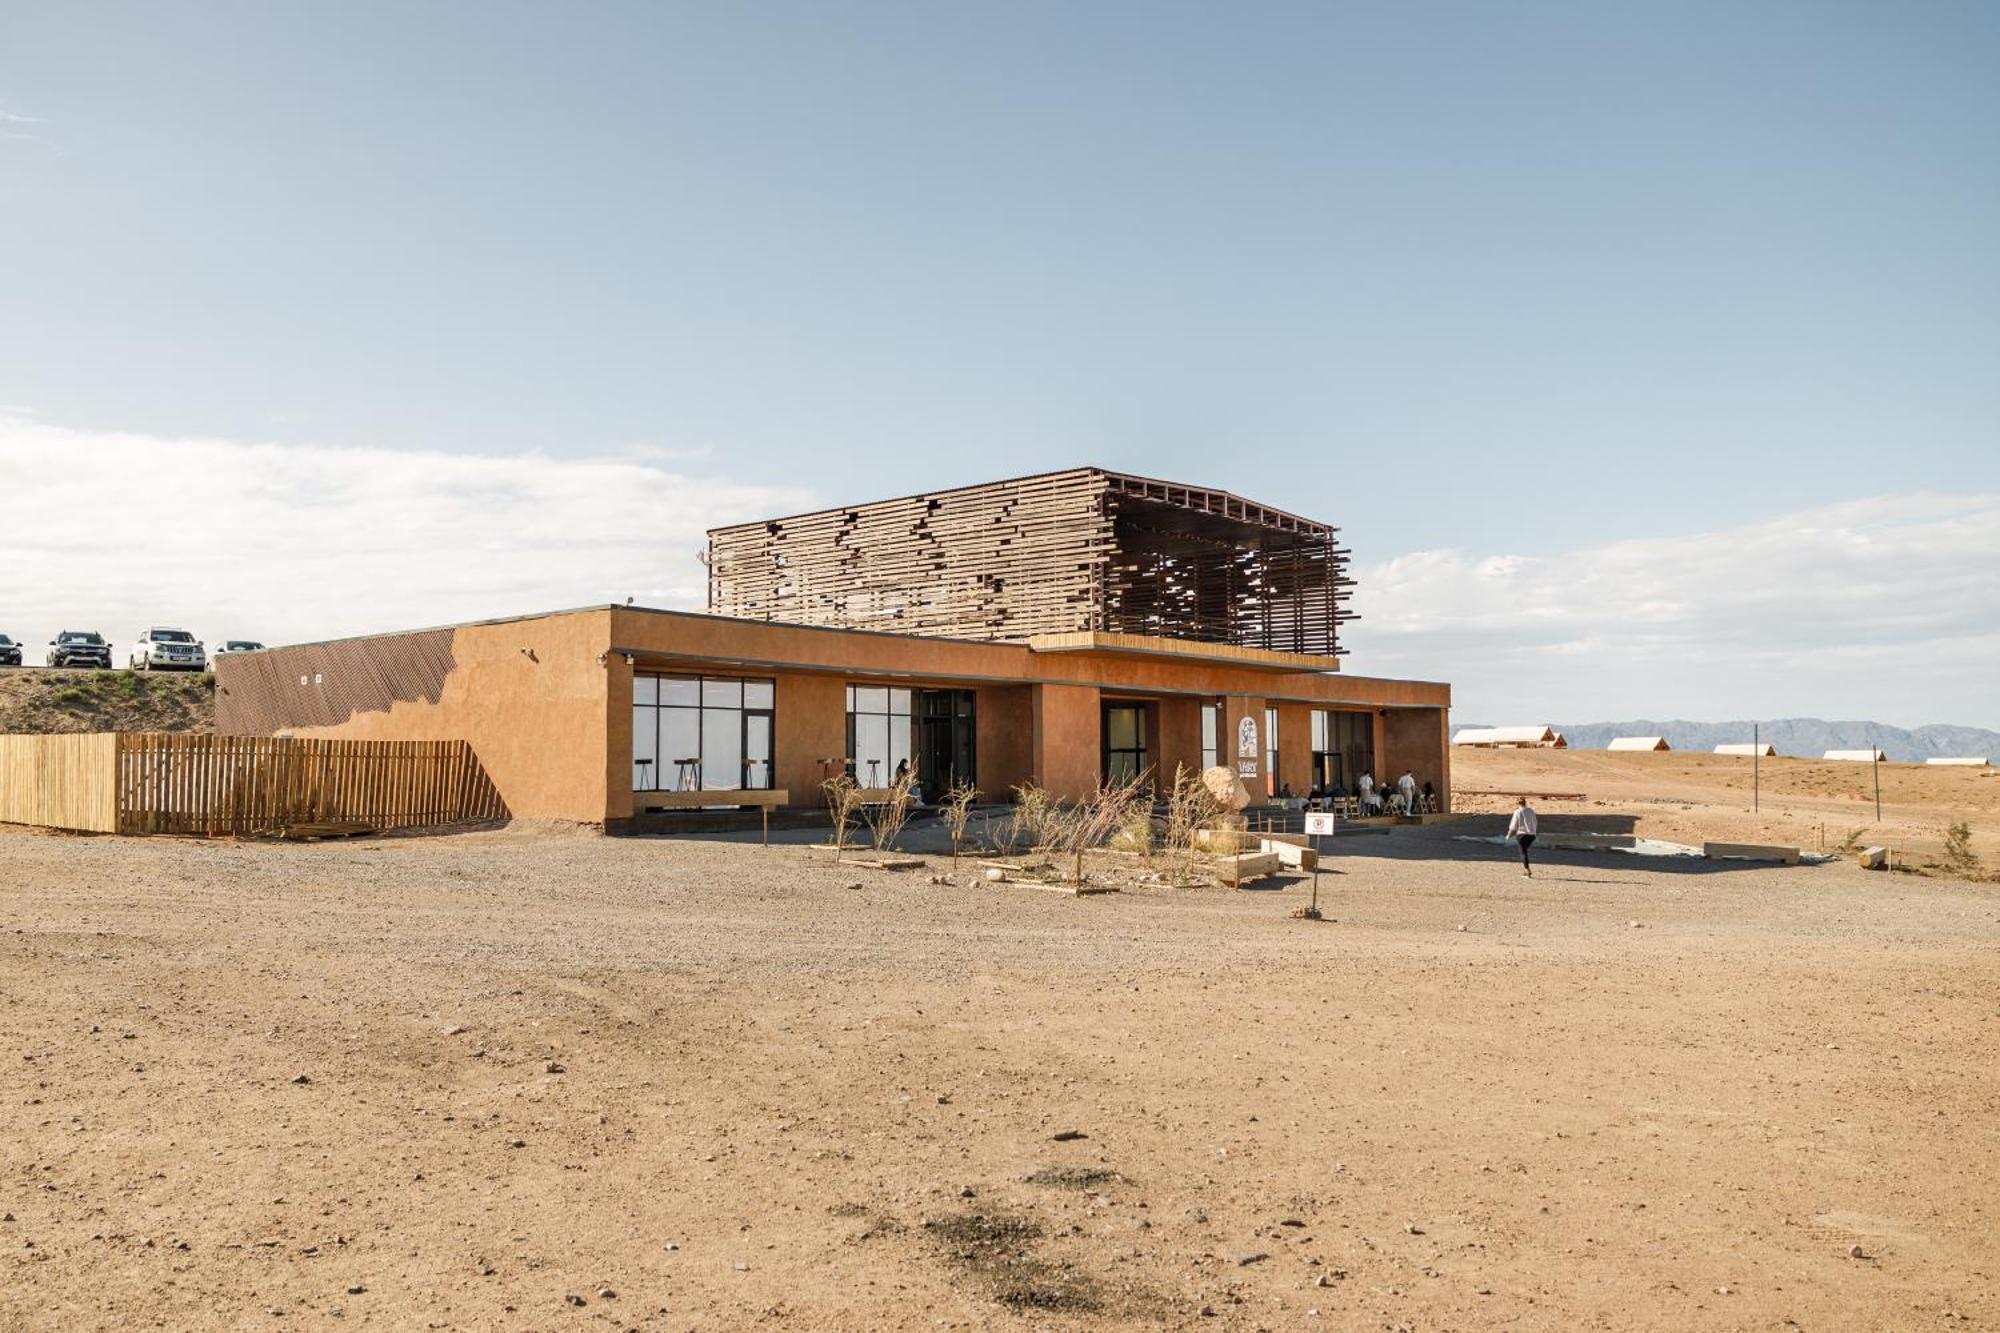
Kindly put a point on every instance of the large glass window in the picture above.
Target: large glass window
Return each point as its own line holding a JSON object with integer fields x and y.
{"x": 1124, "y": 742}
{"x": 1343, "y": 748}
{"x": 878, "y": 733}
{"x": 702, "y": 733}
{"x": 1211, "y": 735}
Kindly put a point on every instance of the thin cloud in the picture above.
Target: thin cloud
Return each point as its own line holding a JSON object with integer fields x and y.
{"x": 116, "y": 531}
{"x": 1885, "y": 608}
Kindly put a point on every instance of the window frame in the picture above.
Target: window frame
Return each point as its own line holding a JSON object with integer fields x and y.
{"x": 699, "y": 709}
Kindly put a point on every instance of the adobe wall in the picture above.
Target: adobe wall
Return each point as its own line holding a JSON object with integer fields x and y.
{"x": 531, "y": 696}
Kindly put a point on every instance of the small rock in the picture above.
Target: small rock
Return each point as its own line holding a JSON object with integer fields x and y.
{"x": 453, "y": 1031}
{"x": 517, "y": 1143}
{"x": 1208, "y": 1312}
{"x": 1323, "y": 1280}
{"x": 302, "y": 1078}
{"x": 996, "y": 876}
{"x": 1291, "y": 1222}
{"x": 1722, "y": 1291}
{"x": 1856, "y": 1252}
{"x": 1413, "y": 1228}
{"x": 742, "y": 1268}
{"x": 606, "y": 1294}
{"x": 1636, "y": 925}
{"x": 575, "y": 1299}
{"x": 855, "y": 885}
{"x": 356, "y": 1289}
{"x": 554, "y": 1068}
{"x": 967, "y": 1192}
{"x": 1195, "y": 1215}
{"x": 1069, "y": 1135}
{"x": 1248, "y": 1257}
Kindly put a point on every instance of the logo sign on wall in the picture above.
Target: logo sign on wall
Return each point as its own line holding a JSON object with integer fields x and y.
{"x": 1246, "y": 738}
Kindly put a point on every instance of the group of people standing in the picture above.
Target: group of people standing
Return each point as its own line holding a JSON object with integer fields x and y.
{"x": 1401, "y": 797}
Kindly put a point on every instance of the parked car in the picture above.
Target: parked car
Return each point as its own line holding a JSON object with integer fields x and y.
{"x": 10, "y": 652}
{"x": 168, "y": 650}
{"x": 238, "y": 646}
{"x": 79, "y": 648}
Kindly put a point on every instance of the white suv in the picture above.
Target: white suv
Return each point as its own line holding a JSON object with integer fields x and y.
{"x": 167, "y": 650}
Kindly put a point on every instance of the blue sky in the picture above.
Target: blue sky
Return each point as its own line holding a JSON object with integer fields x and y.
{"x": 1514, "y": 282}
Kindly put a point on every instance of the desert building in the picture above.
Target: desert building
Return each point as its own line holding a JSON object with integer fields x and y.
{"x": 1639, "y": 743}
{"x": 1064, "y": 629}
{"x": 1745, "y": 749}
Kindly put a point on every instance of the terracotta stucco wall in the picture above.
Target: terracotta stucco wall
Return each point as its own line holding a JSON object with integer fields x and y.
{"x": 1415, "y": 740}
{"x": 1068, "y": 739}
{"x": 760, "y": 648}
{"x": 1295, "y": 747}
{"x": 1005, "y": 739}
{"x": 532, "y": 699}
{"x": 1235, "y": 708}
{"x": 1179, "y": 739}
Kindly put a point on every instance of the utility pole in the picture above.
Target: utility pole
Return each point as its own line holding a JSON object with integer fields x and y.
{"x": 1757, "y": 767}
{"x": 1875, "y": 762}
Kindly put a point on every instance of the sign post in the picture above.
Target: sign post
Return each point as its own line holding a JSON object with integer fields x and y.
{"x": 1318, "y": 824}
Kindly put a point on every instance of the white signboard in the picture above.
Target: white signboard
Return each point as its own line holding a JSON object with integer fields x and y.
{"x": 1246, "y": 738}
{"x": 1321, "y": 823}
{"x": 1246, "y": 768}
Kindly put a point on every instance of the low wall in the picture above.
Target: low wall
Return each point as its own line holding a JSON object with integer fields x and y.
{"x": 219, "y": 785}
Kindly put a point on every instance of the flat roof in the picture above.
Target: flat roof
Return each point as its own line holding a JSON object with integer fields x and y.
{"x": 1108, "y": 473}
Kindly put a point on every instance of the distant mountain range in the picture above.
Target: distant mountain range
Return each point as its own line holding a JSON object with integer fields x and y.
{"x": 1809, "y": 737}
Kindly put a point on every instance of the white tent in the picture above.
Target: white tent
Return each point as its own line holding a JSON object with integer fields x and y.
{"x": 1857, "y": 756}
{"x": 1981, "y": 762}
{"x": 1768, "y": 750}
{"x": 1522, "y": 737}
{"x": 1638, "y": 743}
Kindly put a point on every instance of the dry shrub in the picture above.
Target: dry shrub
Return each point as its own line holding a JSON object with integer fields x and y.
{"x": 885, "y": 819}
{"x": 1191, "y": 808}
{"x": 957, "y": 809}
{"x": 1038, "y": 819}
{"x": 843, "y": 803}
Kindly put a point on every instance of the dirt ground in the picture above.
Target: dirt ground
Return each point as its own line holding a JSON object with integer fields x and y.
{"x": 1808, "y": 803}
{"x": 533, "y": 1078}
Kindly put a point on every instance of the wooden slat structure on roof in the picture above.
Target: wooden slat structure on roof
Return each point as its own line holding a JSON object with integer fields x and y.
{"x": 1059, "y": 553}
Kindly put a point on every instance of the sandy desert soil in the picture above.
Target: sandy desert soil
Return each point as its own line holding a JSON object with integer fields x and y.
{"x": 1806, "y": 803}
{"x": 454, "y": 1082}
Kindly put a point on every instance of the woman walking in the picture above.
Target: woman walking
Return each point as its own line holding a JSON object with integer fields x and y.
{"x": 1521, "y": 828}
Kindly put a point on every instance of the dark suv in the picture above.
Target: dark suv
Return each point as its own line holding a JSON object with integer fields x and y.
{"x": 10, "y": 652}
{"x": 79, "y": 648}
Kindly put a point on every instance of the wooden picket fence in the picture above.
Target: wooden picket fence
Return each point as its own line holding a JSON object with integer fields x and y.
{"x": 164, "y": 782}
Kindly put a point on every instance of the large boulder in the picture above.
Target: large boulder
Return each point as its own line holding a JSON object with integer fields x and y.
{"x": 1227, "y": 789}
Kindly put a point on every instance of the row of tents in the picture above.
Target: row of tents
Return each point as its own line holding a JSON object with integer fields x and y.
{"x": 1548, "y": 738}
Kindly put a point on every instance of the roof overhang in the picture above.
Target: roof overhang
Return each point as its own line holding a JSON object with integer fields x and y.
{"x": 1099, "y": 643}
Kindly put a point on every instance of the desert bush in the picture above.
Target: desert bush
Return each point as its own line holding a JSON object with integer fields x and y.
{"x": 1191, "y": 807}
{"x": 885, "y": 818}
{"x": 957, "y": 810}
{"x": 1038, "y": 818}
{"x": 1959, "y": 858}
{"x": 1853, "y": 842}
{"x": 843, "y": 803}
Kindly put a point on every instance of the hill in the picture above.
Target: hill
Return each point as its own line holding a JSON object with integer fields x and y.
{"x": 1808, "y": 737}
{"x": 34, "y": 700}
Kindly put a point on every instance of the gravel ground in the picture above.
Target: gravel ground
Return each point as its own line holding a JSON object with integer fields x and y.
{"x": 533, "y": 1078}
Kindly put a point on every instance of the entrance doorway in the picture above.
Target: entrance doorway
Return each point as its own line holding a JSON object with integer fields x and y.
{"x": 1124, "y": 742}
{"x": 946, "y": 727}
